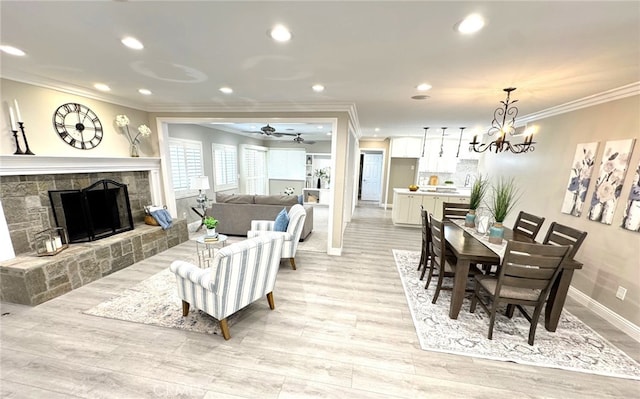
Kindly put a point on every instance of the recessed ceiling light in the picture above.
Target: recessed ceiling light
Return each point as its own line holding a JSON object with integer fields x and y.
{"x": 12, "y": 50}
{"x": 471, "y": 24}
{"x": 328, "y": 133}
{"x": 145, "y": 92}
{"x": 423, "y": 87}
{"x": 318, "y": 88}
{"x": 226, "y": 90}
{"x": 420, "y": 97}
{"x": 319, "y": 126}
{"x": 102, "y": 87}
{"x": 132, "y": 42}
{"x": 280, "y": 33}
{"x": 377, "y": 129}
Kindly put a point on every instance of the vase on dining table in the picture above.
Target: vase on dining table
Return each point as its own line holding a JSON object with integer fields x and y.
{"x": 470, "y": 218}
{"x": 496, "y": 232}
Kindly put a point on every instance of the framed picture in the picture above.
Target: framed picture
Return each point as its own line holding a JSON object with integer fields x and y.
{"x": 631, "y": 220}
{"x": 613, "y": 168}
{"x": 579, "y": 178}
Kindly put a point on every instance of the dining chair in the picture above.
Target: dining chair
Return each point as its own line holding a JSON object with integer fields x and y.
{"x": 454, "y": 211}
{"x": 427, "y": 252}
{"x": 528, "y": 224}
{"x": 442, "y": 260}
{"x": 559, "y": 234}
{"x": 527, "y": 273}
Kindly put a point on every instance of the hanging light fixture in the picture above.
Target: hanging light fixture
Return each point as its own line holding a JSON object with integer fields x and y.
{"x": 424, "y": 140}
{"x": 502, "y": 127}
{"x": 442, "y": 142}
{"x": 460, "y": 142}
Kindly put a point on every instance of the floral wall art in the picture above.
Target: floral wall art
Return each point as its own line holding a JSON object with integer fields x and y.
{"x": 579, "y": 178}
{"x": 631, "y": 219}
{"x": 609, "y": 184}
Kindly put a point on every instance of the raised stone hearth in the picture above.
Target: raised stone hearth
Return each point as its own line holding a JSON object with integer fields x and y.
{"x": 31, "y": 280}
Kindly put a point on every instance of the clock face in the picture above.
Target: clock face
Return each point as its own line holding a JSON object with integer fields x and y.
{"x": 78, "y": 126}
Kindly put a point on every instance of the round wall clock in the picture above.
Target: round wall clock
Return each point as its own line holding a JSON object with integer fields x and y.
{"x": 78, "y": 126}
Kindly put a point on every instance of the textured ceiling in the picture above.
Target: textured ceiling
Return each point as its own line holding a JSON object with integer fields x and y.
{"x": 370, "y": 54}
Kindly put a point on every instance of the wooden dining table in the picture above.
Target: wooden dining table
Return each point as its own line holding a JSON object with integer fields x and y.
{"x": 469, "y": 250}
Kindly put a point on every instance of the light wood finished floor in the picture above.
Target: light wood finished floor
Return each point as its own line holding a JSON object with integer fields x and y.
{"x": 341, "y": 329}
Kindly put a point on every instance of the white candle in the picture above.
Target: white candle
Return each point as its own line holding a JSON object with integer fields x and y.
{"x": 15, "y": 102}
{"x": 58, "y": 242}
{"x": 12, "y": 120}
{"x": 49, "y": 245}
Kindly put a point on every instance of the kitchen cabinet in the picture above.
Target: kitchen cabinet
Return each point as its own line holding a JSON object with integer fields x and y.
{"x": 406, "y": 147}
{"x": 406, "y": 205}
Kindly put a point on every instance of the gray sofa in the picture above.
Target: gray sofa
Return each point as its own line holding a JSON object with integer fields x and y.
{"x": 236, "y": 211}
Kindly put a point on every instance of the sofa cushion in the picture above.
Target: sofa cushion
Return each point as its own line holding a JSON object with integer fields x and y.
{"x": 235, "y": 198}
{"x": 282, "y": 221}
{"x": 276, "y": 199}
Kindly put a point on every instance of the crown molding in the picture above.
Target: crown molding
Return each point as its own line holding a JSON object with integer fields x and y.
{"x": 632, "y": 89}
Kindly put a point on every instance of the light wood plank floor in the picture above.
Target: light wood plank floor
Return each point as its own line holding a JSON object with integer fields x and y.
{"x": 341, "y": 329}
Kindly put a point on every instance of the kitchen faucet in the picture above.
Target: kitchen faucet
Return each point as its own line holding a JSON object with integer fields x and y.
{"x": 467, "y": 180}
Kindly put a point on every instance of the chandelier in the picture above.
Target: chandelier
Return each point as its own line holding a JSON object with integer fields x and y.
{"x": 503, "y": 124}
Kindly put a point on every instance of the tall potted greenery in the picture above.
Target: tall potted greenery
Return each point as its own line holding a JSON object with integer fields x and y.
{"x": 505, "y": 196}
{"x": 478, "y": 190}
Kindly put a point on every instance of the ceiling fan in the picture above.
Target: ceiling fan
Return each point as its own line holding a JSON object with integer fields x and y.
{"x": 266, "y": 130}
{"x": 298, "y": 138}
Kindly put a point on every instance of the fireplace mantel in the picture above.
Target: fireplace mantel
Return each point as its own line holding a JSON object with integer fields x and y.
{"x": 14, "y": 165}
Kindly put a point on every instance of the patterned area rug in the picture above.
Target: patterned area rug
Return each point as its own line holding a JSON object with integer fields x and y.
{"x": 155, "y": 301}
{"x": 574, "y": 346}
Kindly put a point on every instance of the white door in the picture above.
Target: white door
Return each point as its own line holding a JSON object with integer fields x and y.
{"x": 371, "y": 177}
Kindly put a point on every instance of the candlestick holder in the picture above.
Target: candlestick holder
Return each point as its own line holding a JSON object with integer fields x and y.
{"x": 18, "y": 149}
{"x": 24, "y": 137}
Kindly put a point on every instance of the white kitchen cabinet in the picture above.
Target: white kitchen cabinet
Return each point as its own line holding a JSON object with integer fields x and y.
{"x": 406, "y": 208}
{"x": 406, "y": 205}
{"x": 406, "y": 147}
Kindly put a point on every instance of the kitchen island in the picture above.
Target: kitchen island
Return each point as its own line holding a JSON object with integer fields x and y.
{"x": 406, "y": 204}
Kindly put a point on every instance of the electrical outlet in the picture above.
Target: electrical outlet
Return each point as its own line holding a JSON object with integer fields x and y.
{"x": 621, "y": 293}
{"x": 184, "y": 215}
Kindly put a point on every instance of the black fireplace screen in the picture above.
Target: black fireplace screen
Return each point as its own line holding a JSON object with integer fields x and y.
{"x": 98, "y": 211}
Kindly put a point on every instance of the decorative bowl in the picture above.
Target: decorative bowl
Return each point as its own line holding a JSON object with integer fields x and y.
{"x": 413, "y": 187}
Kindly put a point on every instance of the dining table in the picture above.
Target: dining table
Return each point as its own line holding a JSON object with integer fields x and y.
{"x": 470, "y": 250}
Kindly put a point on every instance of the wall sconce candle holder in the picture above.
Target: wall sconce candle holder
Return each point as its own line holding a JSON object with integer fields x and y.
{"x": 52, "y": 241}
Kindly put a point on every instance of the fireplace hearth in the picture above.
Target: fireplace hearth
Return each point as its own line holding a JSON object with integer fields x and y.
{"x": 98, "y": 211}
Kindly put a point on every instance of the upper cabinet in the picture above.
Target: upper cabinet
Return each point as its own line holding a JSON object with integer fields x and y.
{"x": 406, "y": 147}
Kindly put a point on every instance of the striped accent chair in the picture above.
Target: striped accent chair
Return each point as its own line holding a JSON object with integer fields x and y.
{"x": 297, "y": 215}
{"x": 240, "y": 274}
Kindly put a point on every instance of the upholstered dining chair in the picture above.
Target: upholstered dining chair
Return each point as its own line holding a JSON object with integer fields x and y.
{"x": 239, "y": 275}
{"x": 443, "y": 261}
{"x": 296, "y": 216}
{"x": 528, "y": 224}
{"x": 454, "y": 211}
{"x": 426, "y": 253}
{"x": 527, "y": 272}
{"x": 559, "y": 234}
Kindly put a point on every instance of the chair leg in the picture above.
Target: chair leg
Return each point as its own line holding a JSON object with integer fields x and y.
{"x": 492, "y": 319}
{"x": 534, "y": 323}
{"x": 509, "y": 311}
{"x": 293, "y": 263}
{"x": 185, "y": 308}
{"x": 474, "y": 298}
{"x": 429, "y": 277}
{"x": 438, "y": 287}
{"x": 421, "y": 261}
{"x": 225, "y": 329}
{"x": 272, "y": 304}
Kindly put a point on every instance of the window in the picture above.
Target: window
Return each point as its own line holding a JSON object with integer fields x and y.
{"x": 185, "y": 157}
{"x": 225, "y": 167}
{"x": 254, "y": 165}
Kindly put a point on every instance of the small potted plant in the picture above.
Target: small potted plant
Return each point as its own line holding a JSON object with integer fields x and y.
{"x": 210, "y": 223}
{"x": 505, "y": 196}
{"x": 478, "y": 190}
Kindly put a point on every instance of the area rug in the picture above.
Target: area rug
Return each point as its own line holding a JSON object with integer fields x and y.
{"x": 155, "y": 301}
{"x": 574, "y": 346}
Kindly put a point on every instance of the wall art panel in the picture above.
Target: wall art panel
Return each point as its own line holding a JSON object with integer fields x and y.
{"x": 579, "y": 178}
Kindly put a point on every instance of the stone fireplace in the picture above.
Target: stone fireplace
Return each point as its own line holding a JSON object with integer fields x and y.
{"x": 25, "y": 183}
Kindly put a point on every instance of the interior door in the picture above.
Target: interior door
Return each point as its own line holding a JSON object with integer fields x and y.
{"x": 371, "y": 177}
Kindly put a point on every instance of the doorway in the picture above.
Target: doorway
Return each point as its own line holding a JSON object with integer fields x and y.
{"x": 370, "y": 176}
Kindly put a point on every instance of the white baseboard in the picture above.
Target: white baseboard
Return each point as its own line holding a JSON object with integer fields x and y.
{"x": 334, "y": 251}
{"x": 615, "y": 319}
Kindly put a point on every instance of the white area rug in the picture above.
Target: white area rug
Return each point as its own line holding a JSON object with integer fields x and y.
{"x": 155, "y": 301}
{"x": 574, "y": 346}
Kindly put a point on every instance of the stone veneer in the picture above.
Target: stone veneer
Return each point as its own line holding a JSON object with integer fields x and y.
{"x": 27, "y": 208}
{"x": 31, "y": 280}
